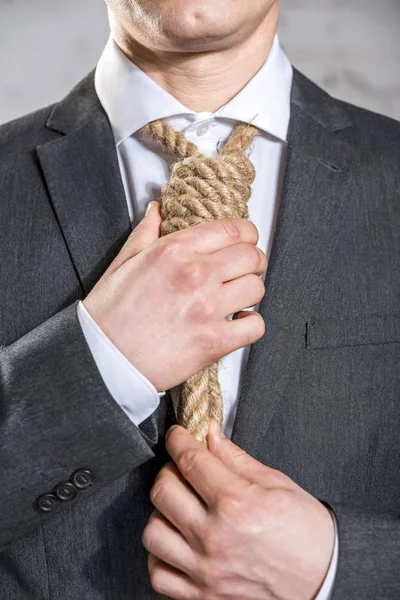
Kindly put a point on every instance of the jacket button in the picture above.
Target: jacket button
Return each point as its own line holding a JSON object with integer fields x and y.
{"x": 65, "y": 491}
{"x": 47, "y": 502}
{"x": 82, "y": 479}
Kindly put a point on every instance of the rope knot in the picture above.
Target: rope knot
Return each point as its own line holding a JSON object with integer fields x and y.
{"x": 202, "y": 188}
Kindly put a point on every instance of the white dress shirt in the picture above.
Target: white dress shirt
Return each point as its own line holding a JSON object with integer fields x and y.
{"x": 131, "y": 100}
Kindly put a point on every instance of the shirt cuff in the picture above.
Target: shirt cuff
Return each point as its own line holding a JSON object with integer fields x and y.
{"x": 134, "y": 393}
{"x": 325, "y": 592}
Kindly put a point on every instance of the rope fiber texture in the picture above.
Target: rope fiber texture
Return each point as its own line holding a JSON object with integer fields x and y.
{"x": 202, "y": 189}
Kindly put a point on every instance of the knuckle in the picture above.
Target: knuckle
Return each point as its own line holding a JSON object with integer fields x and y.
{"x": 211, "y": 541}
{"x": 231, "y": 229}
{"x": 148, "y": 537}
{"x": 212, "y": 584}
{"x": 260, "y": 261}
{"x": 259, "y": 289}
{"x": 201, "y": 310}
{"x": 229, "y": 504}
{"x": 168, "y": 249}
{"x": 217, "y": 549}
{"x": 187, "y": 461}
{"x": 254, "y": 230}
{"x": 157, "y": 579}
{"x": 158, "y": 492}
{"x": 210, "y": 342}
{"x": 252, "y": 254}
{"x": 192, "y": 274}
{"x": 217, "y": 584}
{"x": 240, "y": 455}
{"x": 256, "y": 328}
{"x": 214, "y": 594}
{"x": 278, "y": 480}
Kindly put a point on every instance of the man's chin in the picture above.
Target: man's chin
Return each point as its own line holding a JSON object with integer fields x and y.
{"x": 194, "y": 28}
{"x": 195, "y": 42}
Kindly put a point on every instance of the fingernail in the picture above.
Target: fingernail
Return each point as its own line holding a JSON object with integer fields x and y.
{"x": 170, "y": 430}
{"x": 148, "y": 209}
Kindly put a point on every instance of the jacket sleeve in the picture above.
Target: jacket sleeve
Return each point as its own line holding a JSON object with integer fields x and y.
{"x": 62, "y": 435}
{"x": 369, "y": 555}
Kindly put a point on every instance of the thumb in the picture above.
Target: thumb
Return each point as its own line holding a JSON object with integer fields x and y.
{"x": 147, "y": 232}
{"x": 241, "y": 463}
{"x": 144, "y": 234}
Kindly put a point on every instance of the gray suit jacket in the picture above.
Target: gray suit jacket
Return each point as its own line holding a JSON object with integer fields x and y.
{"x": 321, "y": 395}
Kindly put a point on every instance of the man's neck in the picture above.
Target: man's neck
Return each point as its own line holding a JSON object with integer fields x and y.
{"x": 203, "y": 81}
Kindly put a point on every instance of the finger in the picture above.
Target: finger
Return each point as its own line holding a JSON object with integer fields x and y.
{"x": 216, "y": 234}
{"x": 170, "y": 493}
{"x": 241, "y": 463}
{"x": 245, "y": 292}
{"x": 170, "y": 581}
{"x": 208, "y": 476}
{"x": 245, "y": 328}
{"x": 144, "y": 234}
{"x": 236, "y": 261}
{"x": 161, "y": 539}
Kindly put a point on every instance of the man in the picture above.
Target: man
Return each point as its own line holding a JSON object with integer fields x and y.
{"x": 303, "y": 503}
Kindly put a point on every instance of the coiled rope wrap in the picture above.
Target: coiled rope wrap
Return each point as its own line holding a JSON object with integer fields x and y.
{"x": 201, "y": 189}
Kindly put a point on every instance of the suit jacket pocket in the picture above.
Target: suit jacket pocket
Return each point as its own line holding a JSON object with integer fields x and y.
{"x": 353, "y": 331}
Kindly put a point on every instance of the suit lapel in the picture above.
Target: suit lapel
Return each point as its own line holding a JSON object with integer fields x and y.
{"x": 84, "y": 183}
{"x": 315, "y": 191}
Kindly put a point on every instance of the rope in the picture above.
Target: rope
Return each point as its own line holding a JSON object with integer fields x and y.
{"x": 201, "y": 189}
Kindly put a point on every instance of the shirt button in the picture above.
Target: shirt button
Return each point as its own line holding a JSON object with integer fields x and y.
{"x": 202, "y": 129}
{"x": 65, "y": 491}
{"x": 47, "y": 502}
{"x": 82, "y": 479}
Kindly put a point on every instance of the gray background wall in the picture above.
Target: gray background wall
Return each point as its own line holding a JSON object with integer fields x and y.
{"x": 350, "y": 47}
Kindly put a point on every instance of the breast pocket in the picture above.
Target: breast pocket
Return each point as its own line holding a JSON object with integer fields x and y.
{"x": 353, "y": 331}
{"x": 347, "y": 399}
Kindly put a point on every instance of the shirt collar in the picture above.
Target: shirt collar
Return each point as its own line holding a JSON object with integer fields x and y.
{"x": 131, "y": 98}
